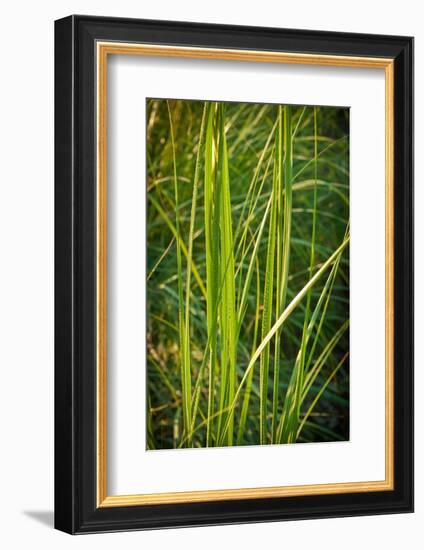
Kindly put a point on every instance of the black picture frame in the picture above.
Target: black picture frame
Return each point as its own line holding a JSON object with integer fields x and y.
{"x": 76, "y": 508}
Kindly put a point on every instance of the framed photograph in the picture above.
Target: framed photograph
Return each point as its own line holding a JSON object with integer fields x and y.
{"x": 234, "y": 274}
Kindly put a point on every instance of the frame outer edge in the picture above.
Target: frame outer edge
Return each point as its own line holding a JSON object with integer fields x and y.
{"x": 64, "y": 447}
{"x": 408, "y": 298}
{"x": 412, "y": 199}
{"x": 70, "y": 514}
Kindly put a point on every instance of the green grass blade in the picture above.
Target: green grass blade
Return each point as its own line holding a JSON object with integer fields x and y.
{"x": 284, "y": 424}
{"x": 249, "y": 382}
{"x": 180, "y": 242}
{"x": 292, "y": 412}
{"x": 212, "y": 265}
{"x": 184, "y": 354}
{"x": 286, "y": 314}
{"x": 190, "y": 262}
{"x": 284, "y": 191}
{"x": 228, "y": 303}
{"x": 248, "y": 278}
{"x": 319, "y": 394}
{"x": 267, "y": 311}
{"x": 159, "y": 261}
{"x": 320, "y": 362}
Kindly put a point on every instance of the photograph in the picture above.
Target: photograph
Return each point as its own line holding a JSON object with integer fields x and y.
{"x": 247, "y": 274}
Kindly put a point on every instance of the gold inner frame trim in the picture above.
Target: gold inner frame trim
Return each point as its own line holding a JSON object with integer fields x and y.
{"x": 104, "y": 49}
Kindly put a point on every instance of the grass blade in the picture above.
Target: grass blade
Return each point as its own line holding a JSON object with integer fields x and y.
{"x": 286, "y": 314}
{"x": 184, "y": 353}
{"x": 228, "y": 320}
{"x": 267, "y": 311}
{"x": 212, "y": 262}
{"x": 321, "y": 391}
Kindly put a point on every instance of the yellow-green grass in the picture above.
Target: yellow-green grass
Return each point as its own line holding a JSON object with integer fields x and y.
{"x": 248, "y": 274}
